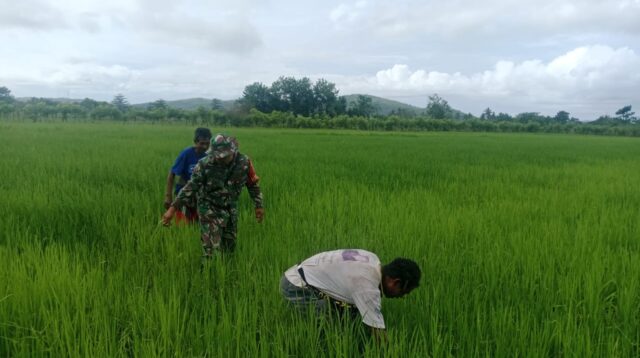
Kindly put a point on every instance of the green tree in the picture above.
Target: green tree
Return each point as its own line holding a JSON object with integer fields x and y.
{"x": 504, "y": 117}
{"x": 403, "y": 112}
{"x": 562, "y": 117}
{"x": 120, "y": 102}
{"x": 291, "y": 95}
{"x": 363, "y": 106}
{"x": 106, "y": 112}
{"x": 528, "y": 117}
{"x": 6, "y": 110}
{"x": 342, "y": 105}
{"x": 216, "y": 105}
{"x": 39, "y": 108}
{"x": 625, "y": 114}
{"x": 438, "y": 108}
{"x": 488, "y": 115}
{"x": 5, "y": 95}
{"x": 297, "y": 96}
{"x": 604, "y": 120}
{"x": 89, "y": 104}
{"x": 258, "y": 96}
{"x": 159, "y": 105}
{"x": 325, "y": 98}
{"x": 69, "y": 110}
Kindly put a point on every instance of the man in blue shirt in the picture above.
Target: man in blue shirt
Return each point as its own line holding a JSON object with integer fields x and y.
{"x": 183, "y": 167}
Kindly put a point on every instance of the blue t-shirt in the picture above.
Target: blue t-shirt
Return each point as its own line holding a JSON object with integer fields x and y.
{"x": 184, "y": 165}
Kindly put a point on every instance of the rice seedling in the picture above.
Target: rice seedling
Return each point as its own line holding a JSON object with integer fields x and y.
{"x": 528, "y": 243}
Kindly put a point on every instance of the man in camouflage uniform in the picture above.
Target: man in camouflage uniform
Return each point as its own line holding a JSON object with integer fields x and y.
{"x": 215, "y": 187}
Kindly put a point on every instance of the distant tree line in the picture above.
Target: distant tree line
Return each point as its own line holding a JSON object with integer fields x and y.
{"x": 119, "y": 109}
{"x": 302, "y": 98}
{"x": 291, "y": 103}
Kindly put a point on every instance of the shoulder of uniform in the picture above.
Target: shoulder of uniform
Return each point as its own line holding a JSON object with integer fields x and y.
{"x": 205, "y": 162}
{"x": 243, "y": 157}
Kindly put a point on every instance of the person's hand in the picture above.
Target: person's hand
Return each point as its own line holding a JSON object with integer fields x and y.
{"x": 166, "y": 218}
{"x": 259, "y": 214}
{"x": 167, "y": 201}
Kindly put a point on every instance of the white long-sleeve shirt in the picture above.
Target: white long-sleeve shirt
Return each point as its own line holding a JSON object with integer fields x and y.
{"x": 352, "y": 276}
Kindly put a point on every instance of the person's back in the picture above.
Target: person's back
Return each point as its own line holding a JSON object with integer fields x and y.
{"x": 340, "y": 273}
{"x": 335, "y": 280}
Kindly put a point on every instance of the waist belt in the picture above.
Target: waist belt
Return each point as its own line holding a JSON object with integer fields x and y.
{"x": 337, "y": 303}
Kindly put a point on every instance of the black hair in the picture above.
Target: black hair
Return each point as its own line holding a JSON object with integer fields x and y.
{"x": 404, "y": 269}
{"x": 201, "y": 133}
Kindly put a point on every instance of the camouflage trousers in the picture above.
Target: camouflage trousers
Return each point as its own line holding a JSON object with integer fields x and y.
{"x": 218, "y": 229}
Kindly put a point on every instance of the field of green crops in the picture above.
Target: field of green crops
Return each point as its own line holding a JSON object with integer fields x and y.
{"x": 529, "y": 244}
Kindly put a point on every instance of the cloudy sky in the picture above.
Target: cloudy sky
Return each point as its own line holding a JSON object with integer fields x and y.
{"x": 514, "y": 56}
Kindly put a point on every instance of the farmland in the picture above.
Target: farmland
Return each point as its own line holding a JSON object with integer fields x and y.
{"x": 528, "y": 244}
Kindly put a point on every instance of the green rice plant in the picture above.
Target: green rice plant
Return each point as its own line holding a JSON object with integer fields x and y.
{"x": 527, "y": 243}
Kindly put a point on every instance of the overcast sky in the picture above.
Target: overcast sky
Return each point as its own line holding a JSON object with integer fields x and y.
{"x": 514, "y": 56}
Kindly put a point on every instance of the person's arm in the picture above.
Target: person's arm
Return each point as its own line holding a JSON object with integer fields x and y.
{"x": 187, "y": 195}
{"x": 168, "y": 191}
{"x": 254, "y": 192}
{"x": 168, "y": 215}
{"x": 179, "y": 166}
{"x": 368, "y": 301}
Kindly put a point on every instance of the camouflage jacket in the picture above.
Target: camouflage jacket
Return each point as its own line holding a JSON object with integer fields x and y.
{"x": 215, "y": 184}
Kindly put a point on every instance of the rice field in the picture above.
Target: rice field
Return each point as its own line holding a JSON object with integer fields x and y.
{"x": 529, "y": 244}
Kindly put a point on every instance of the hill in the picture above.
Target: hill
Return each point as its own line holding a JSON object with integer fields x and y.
{"x": 192, "y": 103}
{"x": 54, "y": 100}
{"x": 385, "y": 106}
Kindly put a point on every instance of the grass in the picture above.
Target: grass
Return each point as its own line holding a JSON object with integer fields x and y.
{"x": 528, "y": 243}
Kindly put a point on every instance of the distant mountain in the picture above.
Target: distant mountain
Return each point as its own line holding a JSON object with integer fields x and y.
{"x": 54, "y": 100}
{"x": 385, "y": 106}
{"x": 192, "y": 103}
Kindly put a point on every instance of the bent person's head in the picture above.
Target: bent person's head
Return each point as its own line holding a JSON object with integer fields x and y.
{"x": 201, "y": 139}
{"x": 399, "y": 277}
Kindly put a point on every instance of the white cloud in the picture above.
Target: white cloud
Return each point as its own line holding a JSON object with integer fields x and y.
{"x": 582, "y": 79}
{"x": 214, "y": 26}
{"x": 235, "y": 36}
{"x": 76, "y": 74}
{"x": 30, "y": 14}
{"x": 347, "y": 12}
{"x": 497, "y": 18}
{"x": 583, "y": 71}
{"x": 90, "y": 74}
{"x": 498, "y": 53}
